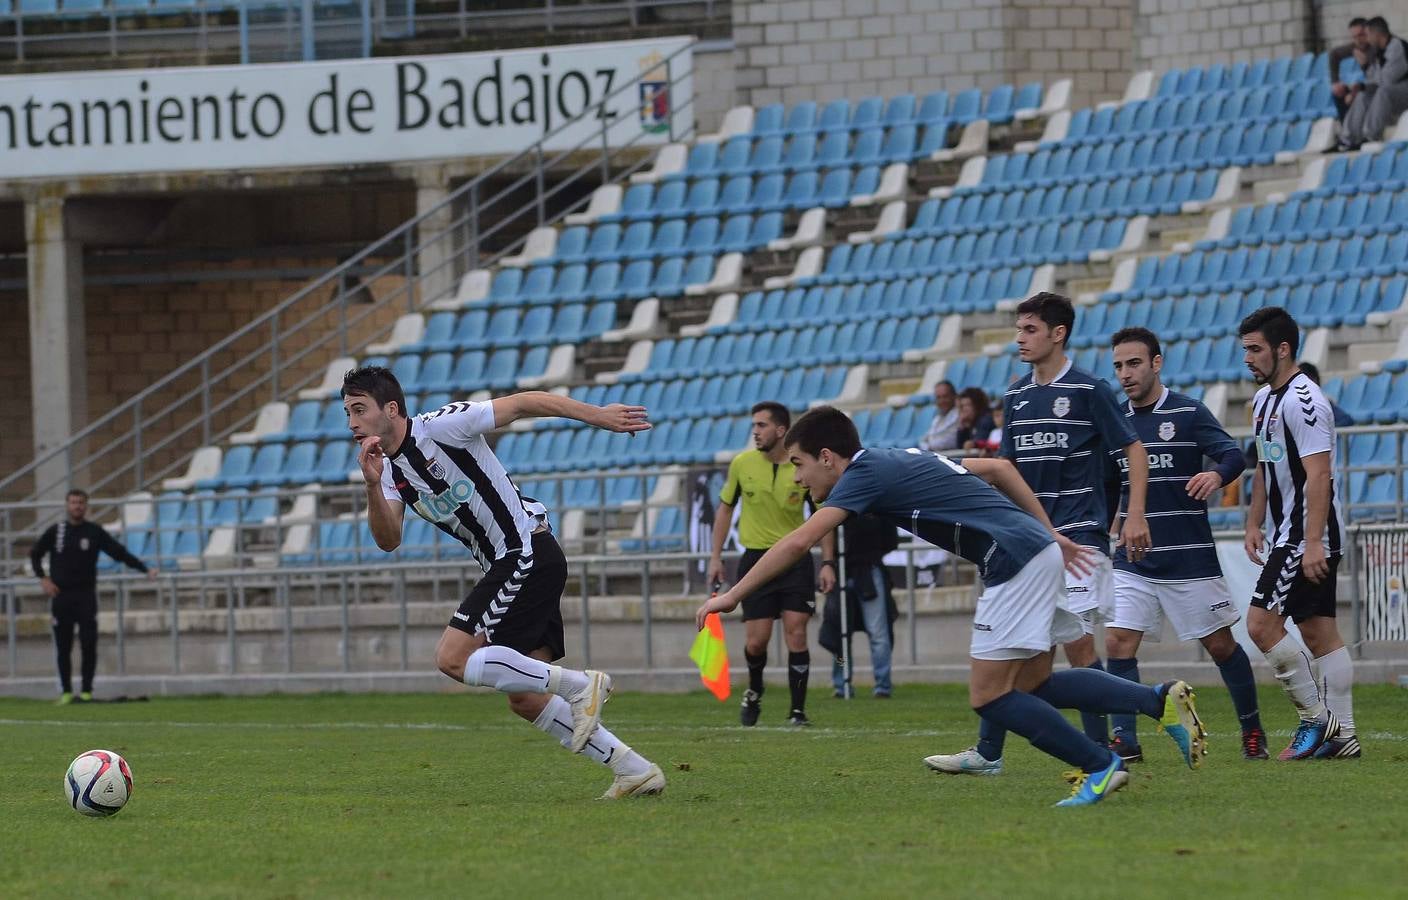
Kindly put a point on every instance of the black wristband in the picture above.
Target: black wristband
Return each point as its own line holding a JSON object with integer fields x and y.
{"x": 829, "y": 562}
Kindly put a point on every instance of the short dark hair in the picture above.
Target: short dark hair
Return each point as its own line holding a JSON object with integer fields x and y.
{"x": 1379, "y": 24}
{"x": 76, "y": 492}
{"x": 1358, "y": 22}
{"x": 1311, "y": 370}
{"x": 939, "y": 384}
{"x": 1138, "y": 334}
{"x": 1051, "y": 308}
{"x": 1276, "y": 324}
{"x": 780, "y": 414}
{"x": 824, "y": 428}
{"x": 376, "y": 382}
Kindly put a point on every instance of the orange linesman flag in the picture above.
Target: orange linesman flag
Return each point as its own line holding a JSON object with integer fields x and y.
{"x": 710, "y": 654}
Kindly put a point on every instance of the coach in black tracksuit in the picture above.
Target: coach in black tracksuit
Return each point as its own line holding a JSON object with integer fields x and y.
{"x": 73, "y": 546}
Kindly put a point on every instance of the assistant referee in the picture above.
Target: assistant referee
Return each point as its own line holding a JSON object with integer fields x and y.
{"x": 763, "y": 479}
{"x": 71, "y": 584}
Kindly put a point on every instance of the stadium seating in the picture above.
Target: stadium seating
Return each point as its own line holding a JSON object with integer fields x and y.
{"x": 1335, "y": 253}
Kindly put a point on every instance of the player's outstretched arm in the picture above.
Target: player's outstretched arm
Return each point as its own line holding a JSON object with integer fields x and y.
{"x": 782, "y": 556}
{"x": 1001, "y": 474}
{"x": 617, "y": 417}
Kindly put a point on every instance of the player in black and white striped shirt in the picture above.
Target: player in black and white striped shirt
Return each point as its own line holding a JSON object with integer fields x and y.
{"x": 1295, "y": 482}
{"x": 508, "y": 631}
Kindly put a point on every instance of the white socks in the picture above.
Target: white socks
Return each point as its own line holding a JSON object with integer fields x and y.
{"x": 1337, "y": 680}
{"x": 603, "y": 746}
{"x": 511, "y": 672}
{"x": 1292, "y": 667}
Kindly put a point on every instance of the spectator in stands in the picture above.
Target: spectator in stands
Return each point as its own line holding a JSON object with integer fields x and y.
{"x": 943, "y": 431}
{"x": 870, "y": 604}
{"x": 1359, "y": 48}
{"x": 994, "y": 439}
{"x": 1342, "y": 418}
{"x": 974, "y": 418}
{"x": 72, "y": 547}
{"x": 1385, "y": 93}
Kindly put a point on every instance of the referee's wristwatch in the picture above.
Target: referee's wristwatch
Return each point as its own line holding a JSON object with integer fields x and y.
{"x": 829, "y": 562}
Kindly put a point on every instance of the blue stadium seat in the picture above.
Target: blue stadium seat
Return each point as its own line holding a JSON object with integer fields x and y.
{"x": 302, "y": 422}
{"x": 998, "y": 107}
{"x": 336, "y": 460}
{"x": 835, "y": 116}
{"x": 800, "y": 154}
{"x": 635, "y": 204}
{"x": 701, "y": 161}
{"x": 802, "y": 117}
{"x": 435, "y": 370}
{"x": 966, "y": 106}
{"x": 1028, "y": 97}
{"x": 867, "y": 114}
{"x": 768, "y": 119}
{"x": 233, "y": 465}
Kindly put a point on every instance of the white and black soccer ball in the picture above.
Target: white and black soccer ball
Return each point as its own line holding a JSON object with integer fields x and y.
{"x": 98, "y": 783}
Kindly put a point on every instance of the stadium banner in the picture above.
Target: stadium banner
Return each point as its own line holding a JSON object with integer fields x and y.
{"x": 1383, "y": 566}
{"x": 343, "y": 112}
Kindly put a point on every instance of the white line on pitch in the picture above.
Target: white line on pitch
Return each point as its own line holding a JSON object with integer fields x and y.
{"x": 509, "y": 727}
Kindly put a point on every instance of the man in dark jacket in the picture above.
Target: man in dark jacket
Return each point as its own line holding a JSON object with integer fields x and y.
{"x": 72, "y": 546}
{"x": 870, "y": 604}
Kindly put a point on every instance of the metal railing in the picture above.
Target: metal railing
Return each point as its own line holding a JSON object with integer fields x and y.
{"x": 218, "y": 392}
{"x": 202, "y": 31}
{"x": 311, "y": 598}
{"x": 390, "y": 599}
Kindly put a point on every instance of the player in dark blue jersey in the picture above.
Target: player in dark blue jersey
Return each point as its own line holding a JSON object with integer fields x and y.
{"x": 983, "y": 511}
{"x": 1060, "y": 427}
{"x": 1180, "y": 577}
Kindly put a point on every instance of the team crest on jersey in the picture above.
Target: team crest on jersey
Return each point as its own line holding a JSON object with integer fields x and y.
{"x": 83, "y": 544}
{"x": 1166, "y": 431}
{"x": 1060, "y": 406}
{"x": 436, "y": 470}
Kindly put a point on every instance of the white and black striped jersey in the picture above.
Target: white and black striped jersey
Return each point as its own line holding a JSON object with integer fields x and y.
{"x": 445, "y": 471}
{"x": 1292, "y": 423}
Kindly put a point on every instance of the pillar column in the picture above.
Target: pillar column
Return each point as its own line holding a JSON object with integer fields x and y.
{"x": 57, "y": 339}
{"x": 435, "y": 236}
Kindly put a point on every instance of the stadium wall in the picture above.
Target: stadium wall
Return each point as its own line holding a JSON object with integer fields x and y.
{"x": 1179, "y": 33}
{"x": 824, "y": 49}
{"x": 714, "y": 84}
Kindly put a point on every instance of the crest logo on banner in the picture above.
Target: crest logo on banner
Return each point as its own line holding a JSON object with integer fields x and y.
{"x": 1166, "y": 431}
{"x": 1060, "y": 406}
{"x": 654, "y": 94}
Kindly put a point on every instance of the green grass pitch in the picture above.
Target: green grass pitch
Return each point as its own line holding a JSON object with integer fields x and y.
{"x": 439, "y": 796}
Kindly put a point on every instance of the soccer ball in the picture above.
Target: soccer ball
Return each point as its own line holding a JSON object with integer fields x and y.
{"x": 98, "y": 783}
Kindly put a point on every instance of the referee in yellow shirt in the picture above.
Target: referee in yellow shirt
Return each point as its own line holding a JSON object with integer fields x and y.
{"x": 773, "y": 502}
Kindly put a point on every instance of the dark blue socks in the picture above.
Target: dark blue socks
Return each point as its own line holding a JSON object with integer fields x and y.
{"x": 1093, "y": 723}
{"x": 1095, "y": 690}
{"x": 1241, "y": 684}
{"x": 1046, "y": 729}
{"x": 991, "y": 737}
{"x": 1123, "y": 723}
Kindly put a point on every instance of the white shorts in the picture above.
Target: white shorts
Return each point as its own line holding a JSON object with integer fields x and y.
{"x": 1196, "y": 608}
{"x": 1025, "y": 615}
{"x": 1092, "y": 595}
